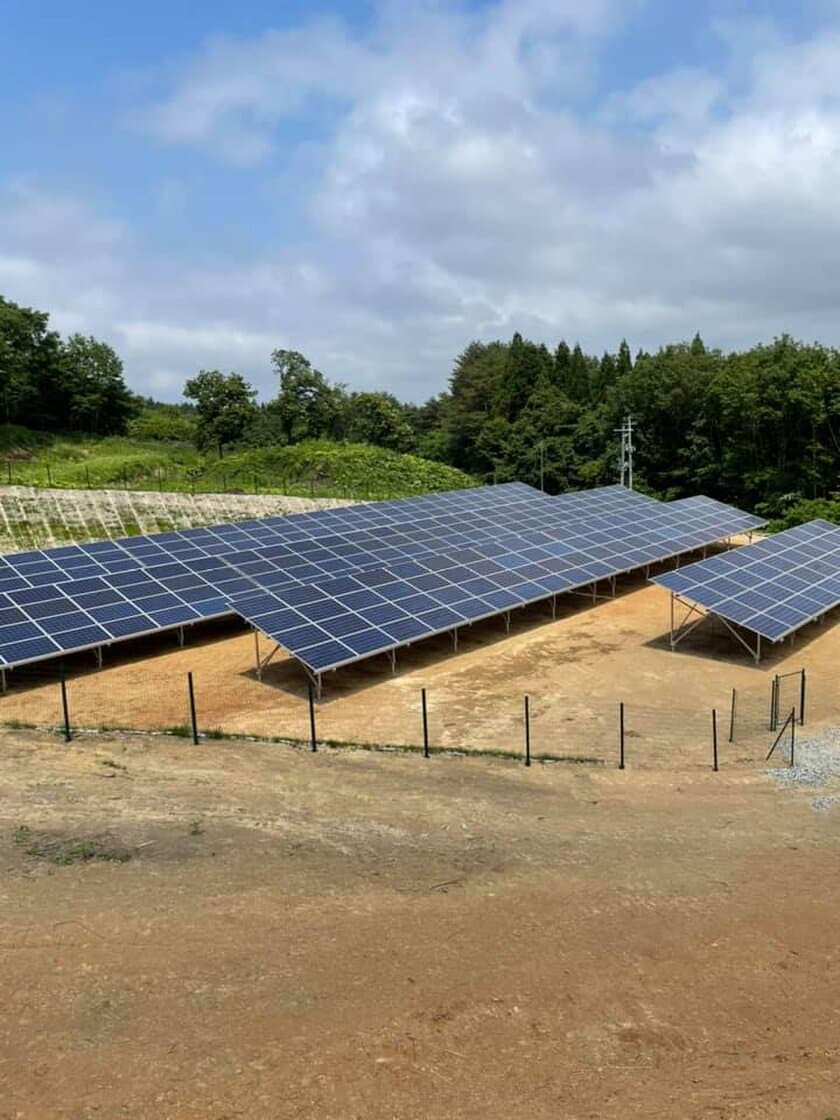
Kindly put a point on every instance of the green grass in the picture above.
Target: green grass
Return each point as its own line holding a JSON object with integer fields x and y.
{"x": 66, "y": 850}
{"x": 355, "y": 745}
{"x": 310, "y": 469}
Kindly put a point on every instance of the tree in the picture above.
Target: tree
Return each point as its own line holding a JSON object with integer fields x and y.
{"x": 29, "y": 367}
{"x": 307, "y": 406}
{"x": 525, "y": 363}
{"x": 224, "y": 407}
{"x": 91, "y": 382}
{"x": 378, "y": 419}
{"x": 623, "y": 361}
{"x": 473, "y": 393}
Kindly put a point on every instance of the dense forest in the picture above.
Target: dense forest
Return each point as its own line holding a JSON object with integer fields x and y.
{"x": 759, "y": 428}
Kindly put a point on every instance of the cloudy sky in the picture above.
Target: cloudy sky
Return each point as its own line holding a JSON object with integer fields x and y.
{"x": 376, "y": 184}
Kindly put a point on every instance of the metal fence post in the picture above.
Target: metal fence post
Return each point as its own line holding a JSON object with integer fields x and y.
{"x": 527, "y": 733}
{"x": 312, "y": 738}
{"x": 792, "y": 735}
{"x": 621, "y": 735}
{"x": 425, "y": 723}
{"x": 193, "y": 721}
{"x": 802, "y": 699}
{"x": 65, "y": 711}
{"x": 714, "y": 741}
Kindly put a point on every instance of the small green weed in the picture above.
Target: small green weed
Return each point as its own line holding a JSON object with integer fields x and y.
{"x": 196, "y": 826}
{"x": 66, "y": 850}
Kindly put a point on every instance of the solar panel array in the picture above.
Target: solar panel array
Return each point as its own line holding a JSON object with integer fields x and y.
{"x": 76, "y": 597}
{"x": 330, "y": 623}
{"x": 65, "y": 599}
{"x": 771, "y": 587}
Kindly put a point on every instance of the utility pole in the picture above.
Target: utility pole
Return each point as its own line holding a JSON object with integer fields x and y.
{"x": 625, "y": 460}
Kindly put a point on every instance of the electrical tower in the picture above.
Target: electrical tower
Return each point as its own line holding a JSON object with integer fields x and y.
{"x": 625, "y": 458}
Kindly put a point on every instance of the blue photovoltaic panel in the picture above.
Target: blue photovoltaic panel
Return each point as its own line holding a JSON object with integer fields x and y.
{"x": 440, "y": 538}
{"x": 771, "y": 587}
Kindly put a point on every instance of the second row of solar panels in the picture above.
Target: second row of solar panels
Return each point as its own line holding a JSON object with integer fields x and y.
{"x": 334, "y": 622}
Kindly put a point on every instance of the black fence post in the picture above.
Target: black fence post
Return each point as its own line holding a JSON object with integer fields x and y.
{"x": 792, "y": 735}
{"x": 527, "y": 733}
{"x": 714, "y": 741}
{"x": 802, "y": 699}
{"x": 312, "y": 738}
{"x": 193, "y": 720}
{"x": 774, "y": 688}
{"x": 621, "y": 735}
{"x": 49, "y": 475}
{"x": 65, "y": 711}
{"x": 425, "y": 723}
{"x": 732, "y": 716}
{"x": 87, "y": 477}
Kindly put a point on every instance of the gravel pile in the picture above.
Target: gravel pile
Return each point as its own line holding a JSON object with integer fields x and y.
{"x": 817, "y": 760}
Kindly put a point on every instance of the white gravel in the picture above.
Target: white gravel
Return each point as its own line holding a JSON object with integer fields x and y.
{"x": 817, "y": 765}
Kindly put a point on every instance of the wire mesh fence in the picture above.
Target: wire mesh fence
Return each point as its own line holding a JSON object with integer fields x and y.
{"x": 220, "y": 703}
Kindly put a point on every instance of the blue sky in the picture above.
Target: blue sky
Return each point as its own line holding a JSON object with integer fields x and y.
{"x": 376, "y": 184}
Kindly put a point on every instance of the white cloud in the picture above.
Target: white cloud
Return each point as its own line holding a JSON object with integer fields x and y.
{"x": 479, "y": 176}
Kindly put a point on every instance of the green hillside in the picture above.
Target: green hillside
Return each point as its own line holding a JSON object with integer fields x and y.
{"x": 311, "y": 469}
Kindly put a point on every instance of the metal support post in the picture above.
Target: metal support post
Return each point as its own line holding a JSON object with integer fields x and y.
{"x": 257, "y": 651}
{"x": 425, "y": 723}
{"x": 193, "y": 720}
{"x": 732, "y": 716}
{"x": 802, "y": 699}
{"x": 621, "y": 735}
{"x": 527, "y": 733}
{"x": 312, "y": 738}
{"x": 714, "y": 741}
{"x": 65, "y": 711}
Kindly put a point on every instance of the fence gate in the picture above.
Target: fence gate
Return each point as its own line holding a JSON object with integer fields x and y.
{"x": 787, "y": 694}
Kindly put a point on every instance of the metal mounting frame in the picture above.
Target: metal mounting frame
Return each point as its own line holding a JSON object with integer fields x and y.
{"x": 683, "y": 629}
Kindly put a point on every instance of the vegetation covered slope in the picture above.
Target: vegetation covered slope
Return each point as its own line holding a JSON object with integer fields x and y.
{"x": 316, "y": 468}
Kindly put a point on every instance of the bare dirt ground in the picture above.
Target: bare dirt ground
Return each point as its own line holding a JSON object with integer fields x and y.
{"x": 349, "y": 935}
{"x": 576, "y": 670}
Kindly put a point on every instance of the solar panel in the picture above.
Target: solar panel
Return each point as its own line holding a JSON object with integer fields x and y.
{"x": 437, "y": 593}
{"x": 445, "y": 540}
{"x": 772, "y": 587}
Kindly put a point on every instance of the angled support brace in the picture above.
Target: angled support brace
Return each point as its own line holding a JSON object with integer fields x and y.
{"x": 315, "y": 678}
